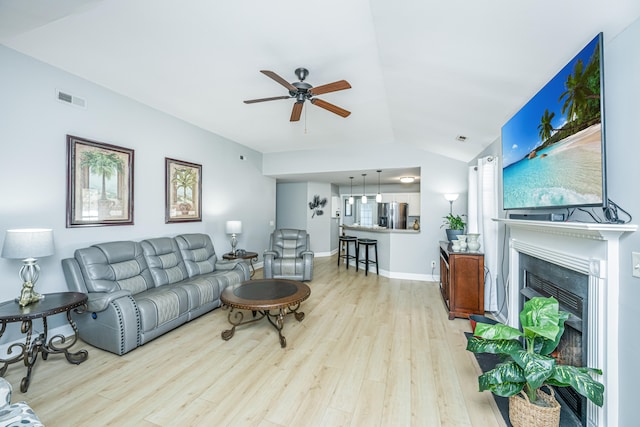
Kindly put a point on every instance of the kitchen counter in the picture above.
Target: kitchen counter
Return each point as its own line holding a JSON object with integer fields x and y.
{"x": 378, "y": 229}
{"x": 398, "y": 250}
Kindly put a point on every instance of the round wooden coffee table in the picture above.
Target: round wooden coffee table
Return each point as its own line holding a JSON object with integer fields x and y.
{"x": 263, "y": 296}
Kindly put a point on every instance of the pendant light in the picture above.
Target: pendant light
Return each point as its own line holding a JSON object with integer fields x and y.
{"x": 378, "y": 196}
{"x": 351, "y": 196}
{"x": 364, "y": 190}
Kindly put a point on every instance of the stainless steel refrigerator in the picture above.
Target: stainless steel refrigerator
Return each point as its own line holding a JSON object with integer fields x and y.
{"x": 393, "y": 215}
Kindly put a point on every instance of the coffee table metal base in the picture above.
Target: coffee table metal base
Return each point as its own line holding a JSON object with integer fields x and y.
{"x": 236, "y": 318}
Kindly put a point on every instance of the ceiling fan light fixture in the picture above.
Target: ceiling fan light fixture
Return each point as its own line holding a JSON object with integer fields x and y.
{"x": 407, "y": 179}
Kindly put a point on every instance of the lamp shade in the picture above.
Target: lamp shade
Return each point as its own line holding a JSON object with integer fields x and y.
{"x": 28, "y": 243}
{"x": 451, "y": 197}
{"x": 234, "y": 227}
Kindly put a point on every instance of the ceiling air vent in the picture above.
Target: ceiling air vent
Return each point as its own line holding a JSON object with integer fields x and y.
{"x": 461, "y": 138}
{"x": 71, "y": 99}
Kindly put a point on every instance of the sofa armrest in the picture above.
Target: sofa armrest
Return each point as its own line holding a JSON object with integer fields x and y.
{"x": 228, "y": 265}
{"x": 73, "y": 275}
{"x": 270, "y": 254}
{"x": 99, "y": 301}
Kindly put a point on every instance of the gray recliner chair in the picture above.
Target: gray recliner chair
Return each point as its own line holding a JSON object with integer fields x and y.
{"x": 289, "y": 256}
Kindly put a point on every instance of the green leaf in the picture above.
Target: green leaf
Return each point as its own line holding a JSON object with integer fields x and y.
{"x": 481, "y": 345}
{"x": 581, "y": 380}
{"x": 506, "y": 379}
{"x": 496, "y": 332}
{"x": 537, "y": 368}
{"x": 540, "y": 317}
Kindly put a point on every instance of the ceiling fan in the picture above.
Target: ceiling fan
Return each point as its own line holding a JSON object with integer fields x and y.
{"x": 303, "y": 91}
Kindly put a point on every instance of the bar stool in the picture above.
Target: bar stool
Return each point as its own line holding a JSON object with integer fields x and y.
{"x": 366, "y": 261}
{"x": 346, "y": 240}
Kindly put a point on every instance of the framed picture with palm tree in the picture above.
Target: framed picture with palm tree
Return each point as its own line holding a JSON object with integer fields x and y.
{"x": 183, "y": 183}
{"x": 99, "y": 183}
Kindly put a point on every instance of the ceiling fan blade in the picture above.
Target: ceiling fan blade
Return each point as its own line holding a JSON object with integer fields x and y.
{"x": 330, "y": 87}
{"x": 279, "y": 79}
{"x": 297, "y": 111}
{"x": 330, "y": 107}
{"x": 273, "y": 98}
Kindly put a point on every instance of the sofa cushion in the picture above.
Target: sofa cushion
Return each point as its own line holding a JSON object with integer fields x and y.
{"x": 198, "y": 253}
{"x": 161, "y": 305}
{"x": 112, "y": 266}
{"x": 164, "y": 260}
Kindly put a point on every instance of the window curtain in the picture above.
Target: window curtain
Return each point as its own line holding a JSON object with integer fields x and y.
{"x": 483, "y": 207}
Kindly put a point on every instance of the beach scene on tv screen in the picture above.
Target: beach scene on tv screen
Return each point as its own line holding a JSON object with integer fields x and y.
{"x": 552, "y": 148}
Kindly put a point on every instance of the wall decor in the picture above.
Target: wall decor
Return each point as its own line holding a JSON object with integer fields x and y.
{"x": 99, "y": 183}
{"x": 183, "y": 184}
{"x": 317, "y": 204}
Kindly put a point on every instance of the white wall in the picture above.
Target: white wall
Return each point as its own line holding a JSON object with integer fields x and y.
{"x": 33, "y": 131}
{"x": 293, "y": 212}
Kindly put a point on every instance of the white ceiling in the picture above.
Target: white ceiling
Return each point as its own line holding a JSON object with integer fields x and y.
{"x": 422, "y": 71}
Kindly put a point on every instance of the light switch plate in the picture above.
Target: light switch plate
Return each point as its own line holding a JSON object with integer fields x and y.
{"x": 635, "y": 264}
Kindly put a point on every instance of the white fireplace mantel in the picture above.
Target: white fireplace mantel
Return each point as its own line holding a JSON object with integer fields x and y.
{"x": 592, "y": 249}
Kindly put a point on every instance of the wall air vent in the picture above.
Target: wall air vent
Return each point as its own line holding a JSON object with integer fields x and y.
{"x": 67, "y": 98}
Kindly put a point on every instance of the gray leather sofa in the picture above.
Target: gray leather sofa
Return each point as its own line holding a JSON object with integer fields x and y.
{"x": 140, "y": 290}
{"x": 289, "y": 255}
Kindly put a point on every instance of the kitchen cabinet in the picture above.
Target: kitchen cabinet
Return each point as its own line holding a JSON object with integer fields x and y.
{"x": 414, "y": 204}
{"x": 461, "y": 281}
{"x": 413, "y": 199}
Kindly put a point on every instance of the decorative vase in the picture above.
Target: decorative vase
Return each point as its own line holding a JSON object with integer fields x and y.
{"x": 463, "y": 242}
{"x": 455, "y": 245}
{"x": 416, "y": 224}
{"x": 523, "y": 413}
{"x": 472, "y": 242}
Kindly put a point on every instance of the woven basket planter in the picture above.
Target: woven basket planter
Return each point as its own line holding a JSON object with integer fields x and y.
{"x": 523, "y": 413}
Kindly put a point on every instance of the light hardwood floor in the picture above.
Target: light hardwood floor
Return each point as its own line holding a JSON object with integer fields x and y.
{"x": 371, "y": 351}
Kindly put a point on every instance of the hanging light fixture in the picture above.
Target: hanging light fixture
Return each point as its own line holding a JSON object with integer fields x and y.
{"x": 379, "y": 195}
{"x": 351, "y": 196}
{"x": 364, "y": 190}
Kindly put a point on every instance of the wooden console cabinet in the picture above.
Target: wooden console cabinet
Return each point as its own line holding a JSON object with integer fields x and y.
{"x": 461, "y": 281}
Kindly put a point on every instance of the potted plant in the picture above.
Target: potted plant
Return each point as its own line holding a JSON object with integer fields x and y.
{"x": 528, "y": 366}
{"x": 455, "y": 226}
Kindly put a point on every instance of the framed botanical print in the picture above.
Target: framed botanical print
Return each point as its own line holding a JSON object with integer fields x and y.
{"x": 99, "y": 183}
{"x": 183, "y": 184}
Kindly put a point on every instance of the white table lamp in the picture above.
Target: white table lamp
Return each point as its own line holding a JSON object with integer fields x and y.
{"x": 234, "y": 228}
{"x": 28, "y": 245}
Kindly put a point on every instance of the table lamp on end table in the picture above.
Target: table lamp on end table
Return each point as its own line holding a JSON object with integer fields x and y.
{"x": 234, "y": 228}
{"x": 27, "y": 245}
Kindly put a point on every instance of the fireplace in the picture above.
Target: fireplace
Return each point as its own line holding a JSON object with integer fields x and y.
{"x": 545, "y": 279}
{"x": 590, "y": 250}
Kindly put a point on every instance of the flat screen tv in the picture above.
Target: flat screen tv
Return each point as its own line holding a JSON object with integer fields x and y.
{"x": 553, "y": 149}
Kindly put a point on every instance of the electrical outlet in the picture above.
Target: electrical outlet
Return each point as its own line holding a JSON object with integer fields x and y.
{"x": 635, "y": 264}
{"x": 433, "y": 264}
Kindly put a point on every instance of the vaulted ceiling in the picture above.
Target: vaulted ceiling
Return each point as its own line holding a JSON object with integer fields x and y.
{"x": 423, "y": 72}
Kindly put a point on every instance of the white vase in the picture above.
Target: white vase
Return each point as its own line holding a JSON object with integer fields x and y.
{"x": 472, "y": 242}
{"x": 455, "y": 245}
{"x": 463, "y": 242}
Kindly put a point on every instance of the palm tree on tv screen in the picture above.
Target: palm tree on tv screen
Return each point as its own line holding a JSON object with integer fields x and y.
{"x": 545, "y": 127}
{"x": 582, "y": 94}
